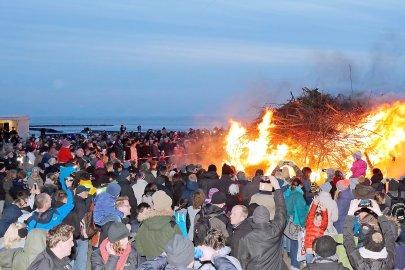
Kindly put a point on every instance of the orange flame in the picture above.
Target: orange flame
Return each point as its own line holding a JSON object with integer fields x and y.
{"x": 380, "y": 135}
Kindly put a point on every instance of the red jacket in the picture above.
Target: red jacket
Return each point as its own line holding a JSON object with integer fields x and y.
{"x": 64, "y": 155}
{"x": 312, "y": 232}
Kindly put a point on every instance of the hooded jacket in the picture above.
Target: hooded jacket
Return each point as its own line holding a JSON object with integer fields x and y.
{"x": 157, "y": 228}
{"x": 343, "y": 204}
{"x": 104, "y": 205}
{"x": 10, "y": 215}
{"x": 356, "y": 258}
{"x": 296, "y": 206}
{"x": 262, "y": 247}
{"x": 224, "y": 182}
{"x": 208, "y": 181}
{"x": 358, "y": 168}
{"x": 189, "y": 190}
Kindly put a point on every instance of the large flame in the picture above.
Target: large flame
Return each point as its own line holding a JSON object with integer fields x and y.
{"x": 380, "y": 136}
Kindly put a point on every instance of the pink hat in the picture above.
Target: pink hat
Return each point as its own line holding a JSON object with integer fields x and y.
{"x": 99, "y": 164}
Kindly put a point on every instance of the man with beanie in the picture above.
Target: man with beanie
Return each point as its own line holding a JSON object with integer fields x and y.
{"x": 213, "y": 214}
{"x": 261, "y": 248}
{"x": 378, "y": 251}
{"x": 104, "y": 205}
{"x": 325, "y": 255}
{"x": 157, "y": 226}
{"x": 115, "y": 252}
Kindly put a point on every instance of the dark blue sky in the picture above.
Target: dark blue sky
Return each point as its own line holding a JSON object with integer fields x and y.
{"x": 177, "y": 58}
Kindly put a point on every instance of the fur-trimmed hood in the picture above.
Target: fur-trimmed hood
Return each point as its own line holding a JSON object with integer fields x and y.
{"x": 150, "y": 213}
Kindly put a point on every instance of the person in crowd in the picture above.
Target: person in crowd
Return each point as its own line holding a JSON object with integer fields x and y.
{"x": 124, "y": 180}
{"x": 64, "y": 154}
{"x": 190, "y": 187}
{"x": 13, "y": 212}
{"x": 265, "y": 196}
{"x": 330, "y": 204}
{"x": 252, "y": 187}
{"x": 192, "y": 210}
{"x": 157, "y": 226}
{"x": 315, "y": 226}
{"x": 21, "y": 258}
{"x": 115, "y": 252}
{"x": 150, "y": 189}
{"x": 47, "y": 217}
{"x": 59, "y": 243}
{"x": 376, "y": 178}
{"x": 233, "y": 197}
{"x": 241, "y": 226}
{"x": 378, "y": 251}
{"x": 35, "y": 178}
{"x": 325, "y": 255}
{"x": 261, "y": 248}
{"x": 217, "y": 241}
{"x": 344, "y": 196}
{"x": 306, "y": 182}
{"x": 359, "y": 166}
{"x": 209, "y": 179}
{"x": 363, "y": 189}
{"x": 213, "y": 214}
{"x": 180, "y": 214}
{"x": 104, "y": 205}
{"x": 139, "y": 186}
{"x": 226, "y": 178}
{"x": 296, "y": 216}
{"x": 14, "y": 237}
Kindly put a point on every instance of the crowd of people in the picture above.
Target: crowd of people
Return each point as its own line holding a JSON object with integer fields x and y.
{"x": 126, "y": 200}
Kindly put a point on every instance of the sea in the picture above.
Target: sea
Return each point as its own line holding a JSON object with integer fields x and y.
{"x": 74, "y": 124}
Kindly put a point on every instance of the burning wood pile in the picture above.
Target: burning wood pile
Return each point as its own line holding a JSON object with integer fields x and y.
{"x": 320, "y": 131}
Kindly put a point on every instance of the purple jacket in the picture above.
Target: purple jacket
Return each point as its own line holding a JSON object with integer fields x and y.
{"x": 343, "y": 204}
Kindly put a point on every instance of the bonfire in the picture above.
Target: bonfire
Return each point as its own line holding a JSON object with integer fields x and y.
{"x": 321, "y": 131}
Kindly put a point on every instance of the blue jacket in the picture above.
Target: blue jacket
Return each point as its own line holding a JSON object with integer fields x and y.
{"x": 296, "y": 206}
{"x": 10, "y": 215}
{"x": 104, "y": 207}
{"x": 343, "y": 204}
{"x": 189, "y": 190}
{"x": 58, "y": 214}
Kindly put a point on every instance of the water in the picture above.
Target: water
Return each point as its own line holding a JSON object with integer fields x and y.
{"x": 131, "y": 122}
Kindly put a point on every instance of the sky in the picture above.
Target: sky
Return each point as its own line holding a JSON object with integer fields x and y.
{"x": 201, "y": 58}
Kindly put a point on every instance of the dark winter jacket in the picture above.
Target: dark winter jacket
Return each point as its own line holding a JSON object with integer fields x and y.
{"x": 262, "y": 248}
{"x": 126, "y": 190}
{"x": 224, "y": 182}
{"x": 48, "y": 260}
{"x": 219, "y": 220}
{"x": 82, "y": 206}
{"x": 208, "y": 181}
{"x": 250, "y": 189}
{"x": 356, "y": 260}
{"x": 238, "y": 233}
{"x": 343, "y": 204}
{"x": 325, "y": 266}
{"x": 11, "y": 213}
{"x": 189, "y": 190}
{"x": 2, "y": 191}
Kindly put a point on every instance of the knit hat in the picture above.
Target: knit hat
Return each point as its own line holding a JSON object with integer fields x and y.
{"x": 343, "y": 184}
{"x": 211, "y": 193}
{"x": 81, "y": 189}
{"x": 218, "y": 198}
{"x": 179, "y": 251}
{"x": 327, "y": 187}
{"x": 325, "y": 246}
{"x": 99, "y": 164}
{"x": 357, "y": 154}
{"x": 374, "y": 241}
{"x": 65, "y": 143}
{"x": 113, "y": 189}
{"x": 261, "y": 215}
{"x": 117, "y": 231}
{"x": 161, "y": 201}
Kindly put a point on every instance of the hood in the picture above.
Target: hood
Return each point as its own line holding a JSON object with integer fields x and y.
{"x": 211, "y": 175}
{"x": 323, "y": 195}
{"x": 155, "y": 220}
{"x": 224, "y": 251}
{"x": 35, "y": 242}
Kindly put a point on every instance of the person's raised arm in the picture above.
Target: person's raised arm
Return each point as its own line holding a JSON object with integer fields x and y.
{"x": 348, "y": 235}
{"x": 280, "y": 216}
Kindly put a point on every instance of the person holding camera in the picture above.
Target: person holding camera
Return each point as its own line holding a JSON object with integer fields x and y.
{"x": 261, "y": 248}
{"x": 265, "y": 196}
{"x": 378, "y": 251}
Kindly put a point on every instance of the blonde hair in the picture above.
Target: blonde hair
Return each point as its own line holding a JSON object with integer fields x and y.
{"x": 61, "y": 232}
{"x": 120, "y": 201}
{"x": 11, "y": 236}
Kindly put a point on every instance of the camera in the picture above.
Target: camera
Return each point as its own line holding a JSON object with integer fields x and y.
{"x": 365, "y": 203}
{"x": 265, "y": 184}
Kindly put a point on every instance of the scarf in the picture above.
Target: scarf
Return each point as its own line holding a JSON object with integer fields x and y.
{"x": 123, "y": 256}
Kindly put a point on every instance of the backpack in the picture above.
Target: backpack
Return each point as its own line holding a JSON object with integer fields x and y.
{"x": 87, "y": 226}
{"x": 201, "y": 228}
{"x": 397, "y": 207}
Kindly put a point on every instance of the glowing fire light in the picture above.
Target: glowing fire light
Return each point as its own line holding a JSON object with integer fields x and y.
{"x": 381, "y": 137}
